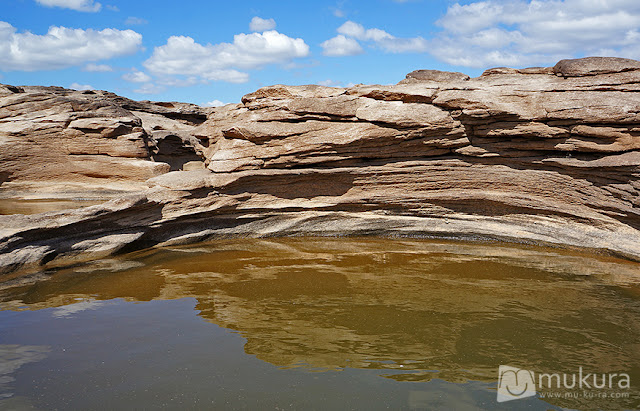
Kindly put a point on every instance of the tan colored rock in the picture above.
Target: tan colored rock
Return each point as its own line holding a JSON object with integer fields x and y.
{"x": 405, "y": 115}
{"x": 407, "y": 93}
{"x": 507, "y": 70}
{"x": 520, "y": 155}
{"x": 338, "y": 106}
{"x": 591, "y": 66}
{"x": 520, "y": 129}
{"x": 72, "y": 137}
{"x": 631, "y": 159}
{"x": 194, "y": 166}
{"x": 268, "y": 95}
{"x": 436, "y": 75}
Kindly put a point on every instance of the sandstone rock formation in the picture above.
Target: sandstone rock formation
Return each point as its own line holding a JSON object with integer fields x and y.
{"x": 64, "y": 143}
{"x": 538, "y": 155}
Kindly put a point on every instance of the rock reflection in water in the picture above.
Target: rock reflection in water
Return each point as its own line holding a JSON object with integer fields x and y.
{"x": 418, "y": 309}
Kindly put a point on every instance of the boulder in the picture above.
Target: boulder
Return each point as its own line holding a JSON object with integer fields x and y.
{"x": 435, "y": 75}
{"x": 592, "y": 66}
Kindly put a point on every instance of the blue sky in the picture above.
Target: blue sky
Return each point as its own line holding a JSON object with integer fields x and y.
{"x": 208, "y": 52}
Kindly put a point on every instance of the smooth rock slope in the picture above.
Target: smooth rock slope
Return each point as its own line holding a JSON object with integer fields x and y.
{"x": 537, "y": 155}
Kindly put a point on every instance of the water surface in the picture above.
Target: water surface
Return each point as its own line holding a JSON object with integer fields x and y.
{"x": 309, "y": 323}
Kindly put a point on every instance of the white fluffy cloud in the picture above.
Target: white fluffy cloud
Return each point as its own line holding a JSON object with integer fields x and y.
{"x": 81, "y": 87}
{"x": 258, "y": 24}
{"x": 346, "y": 44}
{"x": 182, "y": 55}
{"x": 79, "y": 5}
{"x": 359, "y": 32}
{"x": 537, "y": 32}
{"x": 341, "y": 46}
{"x": 62, "y": 47}
{"x": 329, "y": 83}
{"x": 137, "y": 77}
{"x": 215, "y": 103}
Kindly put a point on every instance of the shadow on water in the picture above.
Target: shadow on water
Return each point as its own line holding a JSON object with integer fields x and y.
{"x": 412, "y": 311}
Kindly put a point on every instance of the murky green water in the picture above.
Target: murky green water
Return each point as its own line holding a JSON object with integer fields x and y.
{"x": 329, "y": 324}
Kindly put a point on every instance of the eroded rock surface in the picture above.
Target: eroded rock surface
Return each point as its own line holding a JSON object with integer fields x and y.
{"x": 538, "y": 155}
{"x": 90, "y": 142}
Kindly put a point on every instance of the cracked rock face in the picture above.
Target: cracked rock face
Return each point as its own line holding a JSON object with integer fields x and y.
{"x": 538, "y": 155}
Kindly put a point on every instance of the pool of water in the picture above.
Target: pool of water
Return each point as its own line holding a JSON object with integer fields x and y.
{"x": 312, "y": 323}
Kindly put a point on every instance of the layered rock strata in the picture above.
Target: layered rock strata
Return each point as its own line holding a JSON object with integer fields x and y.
{"x": 537, "y": 155}
{"x": 58, "y": 143}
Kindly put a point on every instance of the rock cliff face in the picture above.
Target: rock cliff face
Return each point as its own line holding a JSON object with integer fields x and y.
{"x": 62, "y": 143}
{"x": 537, "y": 155}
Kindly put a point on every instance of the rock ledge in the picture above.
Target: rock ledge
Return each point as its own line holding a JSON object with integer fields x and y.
{"x": 541, "y": 155}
